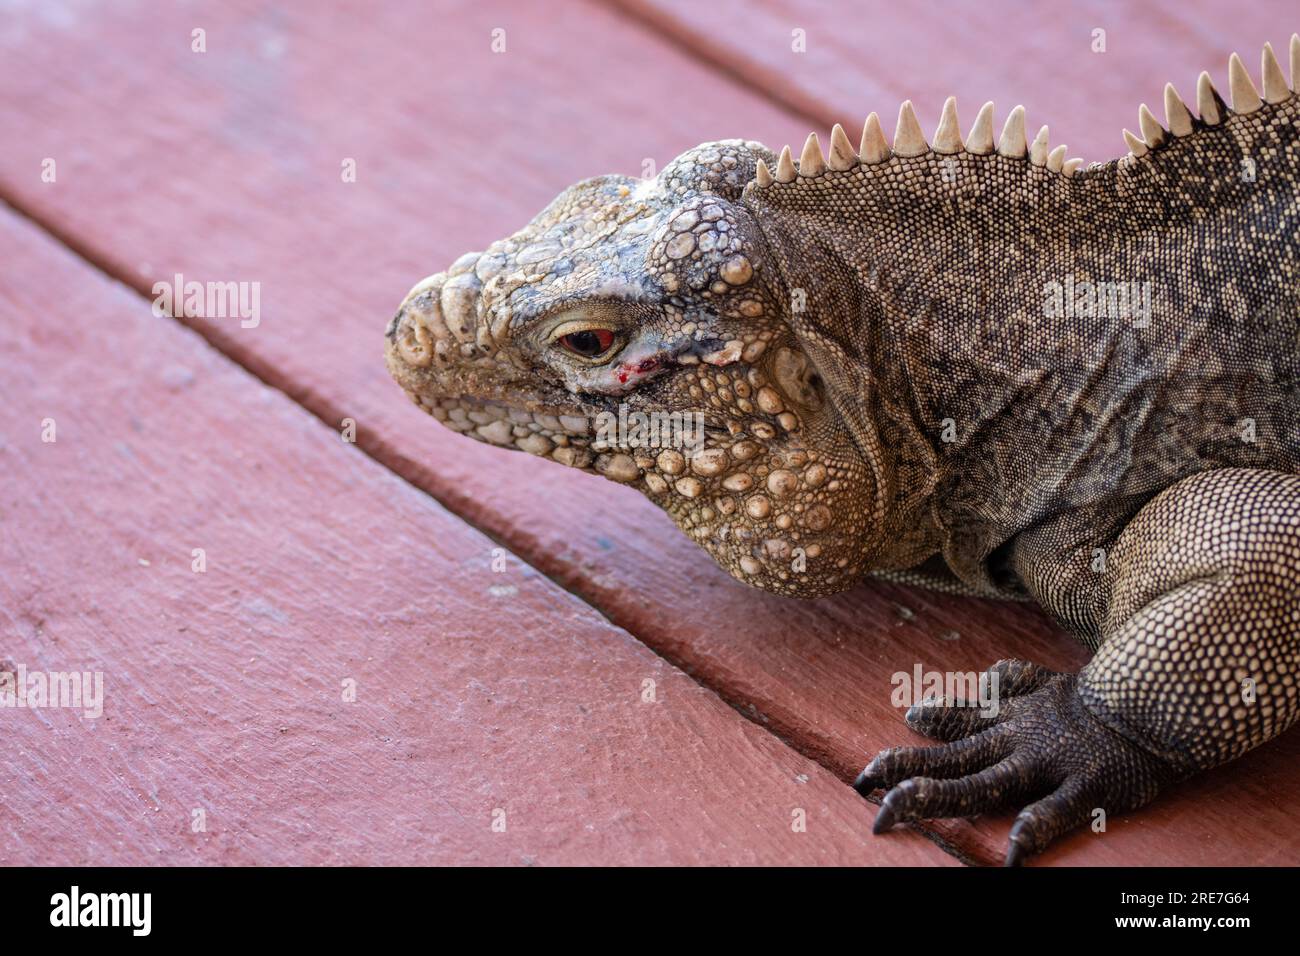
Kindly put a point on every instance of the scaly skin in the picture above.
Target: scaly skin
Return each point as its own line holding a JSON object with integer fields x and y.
{"x": 888, "y": 375}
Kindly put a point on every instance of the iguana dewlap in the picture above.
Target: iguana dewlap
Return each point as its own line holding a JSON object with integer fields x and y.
{"x": 1075, "y": 384}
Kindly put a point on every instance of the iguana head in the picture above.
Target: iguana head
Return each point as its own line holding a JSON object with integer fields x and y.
{"x": 638, "y": 329}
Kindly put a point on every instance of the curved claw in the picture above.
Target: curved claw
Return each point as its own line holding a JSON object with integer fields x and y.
{"x": 1016, "y": 853}
{"x": 868, "y": 780}
{"x": 884, "y": 819}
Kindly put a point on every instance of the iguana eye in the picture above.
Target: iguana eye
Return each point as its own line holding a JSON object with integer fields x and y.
{"x": 589, "y": 343}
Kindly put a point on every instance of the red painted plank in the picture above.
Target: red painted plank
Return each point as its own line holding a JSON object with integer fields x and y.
{"x": 228, "y": 169}
{"x": 870, "y": 56}
{"x": 224, "y": 690}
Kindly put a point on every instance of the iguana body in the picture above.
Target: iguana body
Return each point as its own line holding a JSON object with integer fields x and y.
{"x": 900, "y": 356}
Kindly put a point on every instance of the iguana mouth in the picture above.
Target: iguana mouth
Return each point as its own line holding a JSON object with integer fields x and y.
{"x": 547, "y": 434}
{"x": 573, "y": 440}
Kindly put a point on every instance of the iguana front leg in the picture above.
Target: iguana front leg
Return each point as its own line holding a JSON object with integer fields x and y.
{"x": 1199, "y": 662}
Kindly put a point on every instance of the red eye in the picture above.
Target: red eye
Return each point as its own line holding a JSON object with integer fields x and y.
{"x": 588, "y": 343}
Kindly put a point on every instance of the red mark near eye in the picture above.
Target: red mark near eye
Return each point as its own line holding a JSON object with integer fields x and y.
{"x": 626, "y": 370}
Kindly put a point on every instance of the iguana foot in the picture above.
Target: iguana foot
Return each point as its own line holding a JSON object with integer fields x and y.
{"x": 1042, "y": 744}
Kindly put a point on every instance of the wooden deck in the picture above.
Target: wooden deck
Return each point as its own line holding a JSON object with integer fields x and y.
{"x": 477, "y": 692}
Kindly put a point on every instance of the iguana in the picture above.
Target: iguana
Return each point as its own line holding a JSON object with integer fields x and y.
{"x": 1074, "y": 384}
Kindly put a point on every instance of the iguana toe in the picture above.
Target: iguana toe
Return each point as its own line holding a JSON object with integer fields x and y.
{"x": 1041, "y": 745}
{"x": 955, "y": 719}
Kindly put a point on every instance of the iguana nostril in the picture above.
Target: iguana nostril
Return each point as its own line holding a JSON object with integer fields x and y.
{"x": 418, "y": 331}
{"x": 411, "y": 338}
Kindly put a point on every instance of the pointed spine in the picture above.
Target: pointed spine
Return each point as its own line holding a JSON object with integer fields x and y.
{"x": 1245, "y": 98}
{"x": 1012, "y": 142}
{"x": 1208, "y": 101}
{"x": 947, "y": 138}
{"x": 1072, "y": 165}
{"x": 1038, "y": 149}
{"x": 873, "y": 149}
{"x": 908, "y": 138}
{"x": 1177, "y": 115}
{"x": 762, "y": 175}
{"x": 1275, "y": 88}
{"x": 1152, "y": 132}
{"x": 980, "y": 140}
{"x": 811, "y": 162}
{"x": 1135, "y": 145}
{"x": 785, "y": 172}
{"x": 1056, "y": 159}
{"x": 842, "y": 155}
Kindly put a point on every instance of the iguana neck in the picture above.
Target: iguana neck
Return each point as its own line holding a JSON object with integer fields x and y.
{"x": 923, "y": 289}
{"x": 843, "y": 326}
